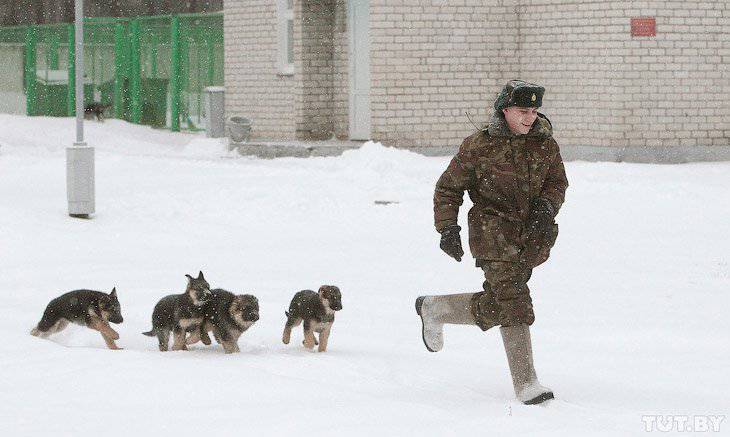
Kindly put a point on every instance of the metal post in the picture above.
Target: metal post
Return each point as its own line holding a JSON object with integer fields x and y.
{"x": 53, "y": 51}
{"x": 80, "y": 156}
{"x": 79, "y": 42}
{"x": 215, "y": 109}
{"x": 119, "y": 70}
{"x": 211, "y": 59}
{"x": 31, "y": 92}
{"x": 153, "y": 56}
{"x": 175, "y": 75}
{"x": 71, "y": 96}
{"x": 134, "y": 74}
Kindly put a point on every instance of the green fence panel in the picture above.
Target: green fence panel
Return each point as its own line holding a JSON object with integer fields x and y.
{"x": 51, "y": 74}
{"x": 155, "y": 54}
{"x": 12, "y": 70}
{"x": 202, "y": 44}
{"x": 149, "y": 70}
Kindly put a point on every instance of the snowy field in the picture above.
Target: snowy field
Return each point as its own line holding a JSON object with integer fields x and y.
{"x": 632, "y": 308}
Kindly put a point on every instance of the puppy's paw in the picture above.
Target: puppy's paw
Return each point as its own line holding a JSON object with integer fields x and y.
{"x": 308, "y": 345}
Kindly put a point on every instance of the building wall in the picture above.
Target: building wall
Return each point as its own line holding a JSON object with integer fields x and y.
{"x": 432, "y": 62}
{"x": 340, "y": 63}
{"x": 314, "y": 45}
{"x": 254, "y": 87}
{"x": 605, "y": 88}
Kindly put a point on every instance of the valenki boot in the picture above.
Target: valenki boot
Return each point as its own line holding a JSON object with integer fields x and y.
{"x": 518, "y": 346}
{"x": 436, "y": 311}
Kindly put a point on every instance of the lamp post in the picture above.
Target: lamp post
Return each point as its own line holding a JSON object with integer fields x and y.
{"x": 80, "y": 156}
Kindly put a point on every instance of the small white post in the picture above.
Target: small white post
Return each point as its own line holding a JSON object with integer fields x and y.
{"x": 80, "y": 156}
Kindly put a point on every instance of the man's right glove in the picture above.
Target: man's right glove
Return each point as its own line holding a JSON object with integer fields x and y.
{"x": 451, "y": 242}
{"x": 538, "y": 228}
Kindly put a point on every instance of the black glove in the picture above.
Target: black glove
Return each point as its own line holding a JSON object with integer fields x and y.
{"x": 451, "y": 242}
{"x": 538, "y": 229}
{"x": 542, "y": 215}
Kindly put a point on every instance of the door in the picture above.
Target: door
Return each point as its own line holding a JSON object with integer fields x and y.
{"x": 359, "y": 20}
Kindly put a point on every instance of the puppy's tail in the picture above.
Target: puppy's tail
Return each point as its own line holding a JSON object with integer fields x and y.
{"x": 150, "y": 333}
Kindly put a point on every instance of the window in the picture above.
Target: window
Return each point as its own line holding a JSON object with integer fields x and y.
{"x": 286, "y": 36}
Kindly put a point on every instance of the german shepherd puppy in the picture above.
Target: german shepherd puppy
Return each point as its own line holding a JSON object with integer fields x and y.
{"x": 317, "y": 310}
{"x": 180, "y": 313}
{"x": 95, "y": 109}
{"x": 228, "y": 316}
{"x": 93, "y": 309}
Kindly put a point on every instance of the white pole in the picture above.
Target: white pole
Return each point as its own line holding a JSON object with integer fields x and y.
{"x": 80, "y": 157}
{"x": 79, "y": 28}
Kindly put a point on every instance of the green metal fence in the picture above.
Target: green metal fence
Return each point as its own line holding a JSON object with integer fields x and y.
{"x": 12, "y": 78}
{"x": 149, "y": 70}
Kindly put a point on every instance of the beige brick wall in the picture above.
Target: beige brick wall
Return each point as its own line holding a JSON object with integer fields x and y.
{"x": 341, "y": 84}
{"x": 314, "y": 46}
{"x": 606, "y": 88}
{"x": 310, "y": 104}
{"x": 253, "y": 86}
{"x": 433, "y": 60}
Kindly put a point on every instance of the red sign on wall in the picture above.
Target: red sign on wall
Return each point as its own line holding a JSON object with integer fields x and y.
{"x": 643, "y": 26}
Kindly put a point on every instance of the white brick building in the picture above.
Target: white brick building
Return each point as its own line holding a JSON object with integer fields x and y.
{"x": 403, "y": 72}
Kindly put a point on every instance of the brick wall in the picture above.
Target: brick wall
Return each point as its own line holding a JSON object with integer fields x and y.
{"x": 433, "y": 60}
{"x": 341, "y": 84}
{"x": 253, "y": 86}
{"x": 609, "y": 89}
{"x": 314, "y": 46}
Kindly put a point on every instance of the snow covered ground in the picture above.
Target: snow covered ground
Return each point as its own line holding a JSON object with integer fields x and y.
{"x": 631, "y": 309}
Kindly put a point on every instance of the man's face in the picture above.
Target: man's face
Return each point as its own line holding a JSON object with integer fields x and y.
{"x": 519, "y": 119}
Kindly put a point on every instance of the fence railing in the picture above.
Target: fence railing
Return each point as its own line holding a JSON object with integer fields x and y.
{"x": 148, "y": 70}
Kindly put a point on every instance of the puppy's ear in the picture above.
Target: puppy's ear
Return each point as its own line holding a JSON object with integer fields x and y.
{"x": 113, "y": 293}
{"x": 200, "y": 275}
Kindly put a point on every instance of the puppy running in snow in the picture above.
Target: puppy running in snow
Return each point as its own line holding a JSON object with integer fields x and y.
{"x": 180, "y": 313}
{"x": 95, "y": 109}
{"x": 89, "y": 308}
{"x": 228, "y": 316}
{"x": 317, "y": 311}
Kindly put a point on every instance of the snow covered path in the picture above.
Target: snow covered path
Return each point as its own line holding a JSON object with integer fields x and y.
{"x": 631, "y": 309}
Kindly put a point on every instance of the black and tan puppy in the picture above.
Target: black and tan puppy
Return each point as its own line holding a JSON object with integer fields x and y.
{"x": 317, "y": 311}
{"x": 228, "y": 316}
{"x": 180, "y": 313}
{"x": 95, "y": 109}
{"x": 93, "y": 309}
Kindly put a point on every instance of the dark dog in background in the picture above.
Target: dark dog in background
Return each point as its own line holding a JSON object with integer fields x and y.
{"x": 93, "y": 309}
{"x": 317, "y": 311}
{"x": 228, "y": 316}
{"x": 180, "y": 313}
{"x": 96, "y": 109}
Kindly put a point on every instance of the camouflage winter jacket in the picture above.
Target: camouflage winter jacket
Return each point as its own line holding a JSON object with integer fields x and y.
{"x": 502, "y": 172}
